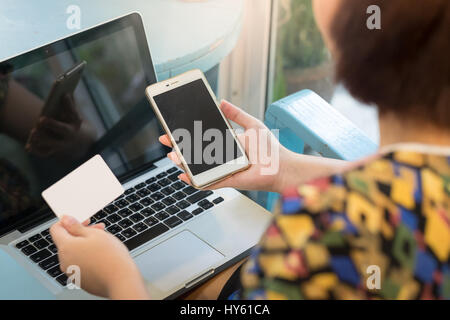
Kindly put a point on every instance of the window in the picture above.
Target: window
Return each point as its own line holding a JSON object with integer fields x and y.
{"x": 299, "y": 59}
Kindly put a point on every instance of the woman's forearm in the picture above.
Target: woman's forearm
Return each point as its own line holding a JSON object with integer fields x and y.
{"x": 298, "y": 169}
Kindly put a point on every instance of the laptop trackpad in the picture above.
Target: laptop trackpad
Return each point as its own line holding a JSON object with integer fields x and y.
{"x": 177, "y": 260}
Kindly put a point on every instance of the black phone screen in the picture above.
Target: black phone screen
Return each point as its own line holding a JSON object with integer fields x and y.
{"x": 197, "y": 126}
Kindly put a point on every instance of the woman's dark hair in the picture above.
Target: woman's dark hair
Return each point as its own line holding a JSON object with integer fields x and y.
{"x": 404, "y": 67}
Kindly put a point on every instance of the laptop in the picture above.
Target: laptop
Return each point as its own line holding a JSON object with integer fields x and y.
{"x": 178, "y": 236}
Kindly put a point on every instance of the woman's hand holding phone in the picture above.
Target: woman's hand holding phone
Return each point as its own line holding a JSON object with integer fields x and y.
{"x": 250, "y": 179}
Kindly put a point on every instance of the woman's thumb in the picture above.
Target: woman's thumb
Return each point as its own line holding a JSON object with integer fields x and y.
{"x": 73, "y": 226}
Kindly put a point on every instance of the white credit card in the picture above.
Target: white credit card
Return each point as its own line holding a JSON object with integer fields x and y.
{"x": 84, "y": 191}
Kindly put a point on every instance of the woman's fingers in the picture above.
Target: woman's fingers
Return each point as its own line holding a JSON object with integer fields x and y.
{"x": 100, "y": 226}
{"x": 73, "y": 226}
{"x": 184, "y": 177}
{"x": 59, "y": 233}
{"x": 164, "y": 139}
{"x": 174, "y": 157}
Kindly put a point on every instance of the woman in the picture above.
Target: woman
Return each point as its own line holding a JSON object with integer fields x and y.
{"x": 388, "y": 215}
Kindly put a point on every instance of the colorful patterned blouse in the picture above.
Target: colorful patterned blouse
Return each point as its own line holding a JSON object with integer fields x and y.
{"x": 379, "y": 231}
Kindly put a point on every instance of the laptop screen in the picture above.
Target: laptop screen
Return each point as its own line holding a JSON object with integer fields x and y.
{"x": 46, "y": 130}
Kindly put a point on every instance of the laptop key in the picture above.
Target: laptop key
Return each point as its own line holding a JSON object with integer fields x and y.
{"x": 100, "y": 215}
{"x": 55, "y": 271}
{"x": 172, "y": 222}
{"x": 196, "y": 197}
{"x": 151, "y": 221}
{"x": 40, "y": 255}
{"x": 114, "y": 218}
{"x": 128, "y": 233}
{"x": 150, "y": 181}
{"x": 172, "y": 170}
{"x": 161, "y": 175}
{"x": 162, "y": 215}
{"x": 168, "y": 201}
{"x": 164, "y": 182}
{"x": 132, "y": 198}
{"x": 140, "y": 227}
{"x": 29, "y": 250}
{"x": 139, "y": 186}
{"x": 114, "y": 229}
{"x": 53, "y": 248}
{"x": 197, "y": 211}
{"x": 125, "y": 223}
{"x": 157, "y": 196}
{"x": 217, "y": 200}
{"x": 50, "y": 262}
{"x": 136, "y": 207}
{"x": 121, "y": 203}
{"x": 110, "y": 209}
{"x": 125, "y": 212}
{"x": 129, "y": 191}
{"x": 172, "y": 210}
{"x": 35, "y": 237}
{"x": 120, "y": 237}
{"x": 183, "y": 204}
{"x": 146, "y": 236}
{"x": 147, "y": 212}
{"x": 136, "y": 217}
{"x": 146, "y": 201}
{"x": 179, "y": 195}
{"x": 45, "y": 232}
{"x": 158, "y": 206}
{"x": 184, "y": 215}
{"x": 189, "y": 190}
{"x": 174, "y": 177}
{"x": 41, "y": 244}
{"x": 62, "y": 279}
{"x": 206, "y": 205}
{"x": 168, "y": 191}
{"x": 178, "y": 185}
{"x": 49, "y": 239}
{"x": 154, "y": 187}
{"x": 22, "y": 244}
{"x": 143, "y": 193}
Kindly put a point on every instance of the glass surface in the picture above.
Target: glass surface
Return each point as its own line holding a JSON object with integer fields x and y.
{"x": 301, "y": 58}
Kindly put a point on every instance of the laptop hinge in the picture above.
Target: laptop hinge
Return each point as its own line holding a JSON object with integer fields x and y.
{"x": 137, "y": 172}
{"x": 32, "y": 223}
{"x": 199, "y": 278}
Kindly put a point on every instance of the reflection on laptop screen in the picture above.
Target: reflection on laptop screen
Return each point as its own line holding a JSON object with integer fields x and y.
{"x": 107, "y": 113}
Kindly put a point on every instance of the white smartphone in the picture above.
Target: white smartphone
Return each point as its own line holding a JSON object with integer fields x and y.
{"x": 201, "y": 136}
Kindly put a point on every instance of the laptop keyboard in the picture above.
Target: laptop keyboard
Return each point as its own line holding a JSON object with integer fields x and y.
{"x": 141, "y": 214}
